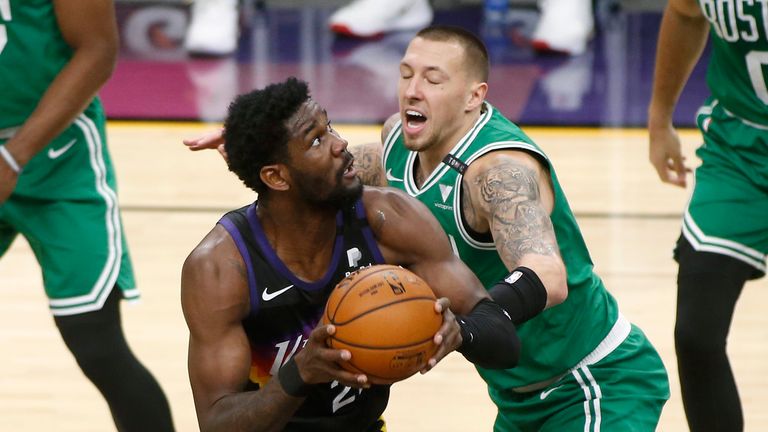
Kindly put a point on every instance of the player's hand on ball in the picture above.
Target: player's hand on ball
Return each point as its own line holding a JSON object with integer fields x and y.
{"x": 318, "y": 363}
{"x": 448, "y": 337}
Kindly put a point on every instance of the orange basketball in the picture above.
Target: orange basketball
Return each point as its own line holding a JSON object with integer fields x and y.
{"x": 385, "y": 316}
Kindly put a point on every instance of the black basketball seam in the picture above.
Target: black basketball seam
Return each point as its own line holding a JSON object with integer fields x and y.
{"x": 343, "y": 296}
{"x": 432, "y": 299}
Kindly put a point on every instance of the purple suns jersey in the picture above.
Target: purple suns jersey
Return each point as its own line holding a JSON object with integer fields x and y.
{"x": 285, "y": 309}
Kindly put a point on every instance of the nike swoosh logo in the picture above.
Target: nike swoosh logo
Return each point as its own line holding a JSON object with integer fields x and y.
{"x": 267, "y": 296}
{"x": 546, "y": 393}
{"x": 390, "y": 177}
{"x": 55, "y": 153}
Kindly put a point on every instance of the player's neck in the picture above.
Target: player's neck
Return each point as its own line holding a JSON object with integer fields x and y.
{"x": 431, "y": 157}
{"x": 302, "y": 238}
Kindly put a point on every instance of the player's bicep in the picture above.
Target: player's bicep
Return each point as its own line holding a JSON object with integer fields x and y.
{"x": 687, "y": 8}
{"x": 507, "y": 193}
{"x": 88, "y": 23}
{"x": 214, "y": 301}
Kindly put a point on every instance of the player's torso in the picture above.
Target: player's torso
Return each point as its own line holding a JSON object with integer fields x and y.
{"x": 32, "y": 52}
{"x": 285, "y": 309}
{"x": 739, "y": 62}
{"x": 563, "y": 335}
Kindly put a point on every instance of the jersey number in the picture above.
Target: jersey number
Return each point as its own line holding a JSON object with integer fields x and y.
{"x": 342, "y": 399}
{"x": 755, "y": 62}
{"x": 5, "y": 13}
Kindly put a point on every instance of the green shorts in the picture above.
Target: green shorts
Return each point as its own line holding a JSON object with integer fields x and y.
{"x": 65, "y": 205}
{"x": 625, "y": 391}
{"x": 727, "y": 213}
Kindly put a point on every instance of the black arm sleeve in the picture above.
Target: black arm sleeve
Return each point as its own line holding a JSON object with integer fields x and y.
{"x": 489, "y": 336}
{"x": 521, "y": 294}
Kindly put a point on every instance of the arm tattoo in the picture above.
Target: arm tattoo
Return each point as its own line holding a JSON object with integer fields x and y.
{"x": 509, "y": 192}
{"x": 368, "y": 164}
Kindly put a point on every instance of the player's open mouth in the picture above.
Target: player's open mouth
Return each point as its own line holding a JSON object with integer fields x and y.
{"x": 414, "y": 121}
{"x": 350, "y": 171}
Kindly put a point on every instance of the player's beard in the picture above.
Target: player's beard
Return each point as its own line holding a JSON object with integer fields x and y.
{"x": 339, "y": 195}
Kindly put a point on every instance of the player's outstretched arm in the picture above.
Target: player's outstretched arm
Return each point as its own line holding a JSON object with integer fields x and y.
{"x": 214, "y": 297}
{"x": 510, "y": 194}
{"x": 211, "y": 140}
{"x": 409, "y": 235}
{"x": 682, "y": 38}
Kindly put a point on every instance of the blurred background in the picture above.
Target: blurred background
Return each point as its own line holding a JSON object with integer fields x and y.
{"x": 609, "y": 84}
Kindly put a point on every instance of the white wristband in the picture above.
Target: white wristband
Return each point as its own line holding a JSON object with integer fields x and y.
{"x": 9, "y": 159}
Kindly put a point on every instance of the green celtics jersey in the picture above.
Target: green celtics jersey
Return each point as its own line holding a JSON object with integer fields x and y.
{"x": 558, "y": 338}
{"x": 738, "y": 66}
{"x": 32, "y": 52}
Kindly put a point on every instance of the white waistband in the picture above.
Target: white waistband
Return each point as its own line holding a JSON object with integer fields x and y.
{"x": 610, "y": 342}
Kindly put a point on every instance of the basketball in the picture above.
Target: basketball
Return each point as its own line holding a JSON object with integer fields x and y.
{"x": 385, "y": 316}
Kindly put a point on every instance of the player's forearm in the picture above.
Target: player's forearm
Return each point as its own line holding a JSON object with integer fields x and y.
{"x": 489, "y": 337}
{"x": 268, "y": 409}
{"x": 681, "y": 41}
{"x": 67, "y": 96}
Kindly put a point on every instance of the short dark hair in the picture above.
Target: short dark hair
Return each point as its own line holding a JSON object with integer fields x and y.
{"x": 475, "y": 53}
{"x": 255, "y": 130}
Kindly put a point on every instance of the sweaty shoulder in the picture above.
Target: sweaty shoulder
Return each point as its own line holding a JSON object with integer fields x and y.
{"x": 500, "y": 159}
{"x": 502, "y": 177}
{"x": 214, "y": 273}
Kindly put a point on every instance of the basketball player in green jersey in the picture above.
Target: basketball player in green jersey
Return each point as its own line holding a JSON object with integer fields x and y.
{"x": 583, "y": 365}
{"x": 724, "y": 237}
{"x": 57, "y": 189}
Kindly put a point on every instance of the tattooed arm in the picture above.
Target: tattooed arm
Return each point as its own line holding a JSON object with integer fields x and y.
{"x": 509, "y": 193}
{"x": 368, "y": 163}
{"x": 368, "y": 157}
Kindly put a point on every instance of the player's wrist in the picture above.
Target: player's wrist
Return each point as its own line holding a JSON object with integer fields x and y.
{"x": 10, "y": 160}
{"x": 291, "y": 381}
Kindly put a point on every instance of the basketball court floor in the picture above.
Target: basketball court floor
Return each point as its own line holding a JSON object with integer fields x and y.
{"x": 585, "y": 112}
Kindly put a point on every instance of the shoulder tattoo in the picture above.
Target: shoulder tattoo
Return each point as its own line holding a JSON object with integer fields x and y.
{"x": 368, "y": 164}
{"x": 509, "y": 192}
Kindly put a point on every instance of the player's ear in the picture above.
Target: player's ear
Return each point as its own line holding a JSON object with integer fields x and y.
{"x": 275, "y": 177}
{"x": 476, "y": 95}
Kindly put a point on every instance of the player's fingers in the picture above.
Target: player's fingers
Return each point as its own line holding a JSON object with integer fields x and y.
{"x": 442, "y": 304}
{"x": 350, "y": 379}
{"x": 208, "y": 141}
{"x": 321, "y": 333}
{"x": 223, "y": 152}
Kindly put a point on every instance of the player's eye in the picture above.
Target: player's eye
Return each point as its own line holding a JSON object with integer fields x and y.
{"x": 331, "y": 129}
{"x": 316, "y": 142}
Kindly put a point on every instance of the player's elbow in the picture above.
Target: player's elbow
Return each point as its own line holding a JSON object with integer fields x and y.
{"x": 557, "y": 284}
{"x": 489, "y": 337}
